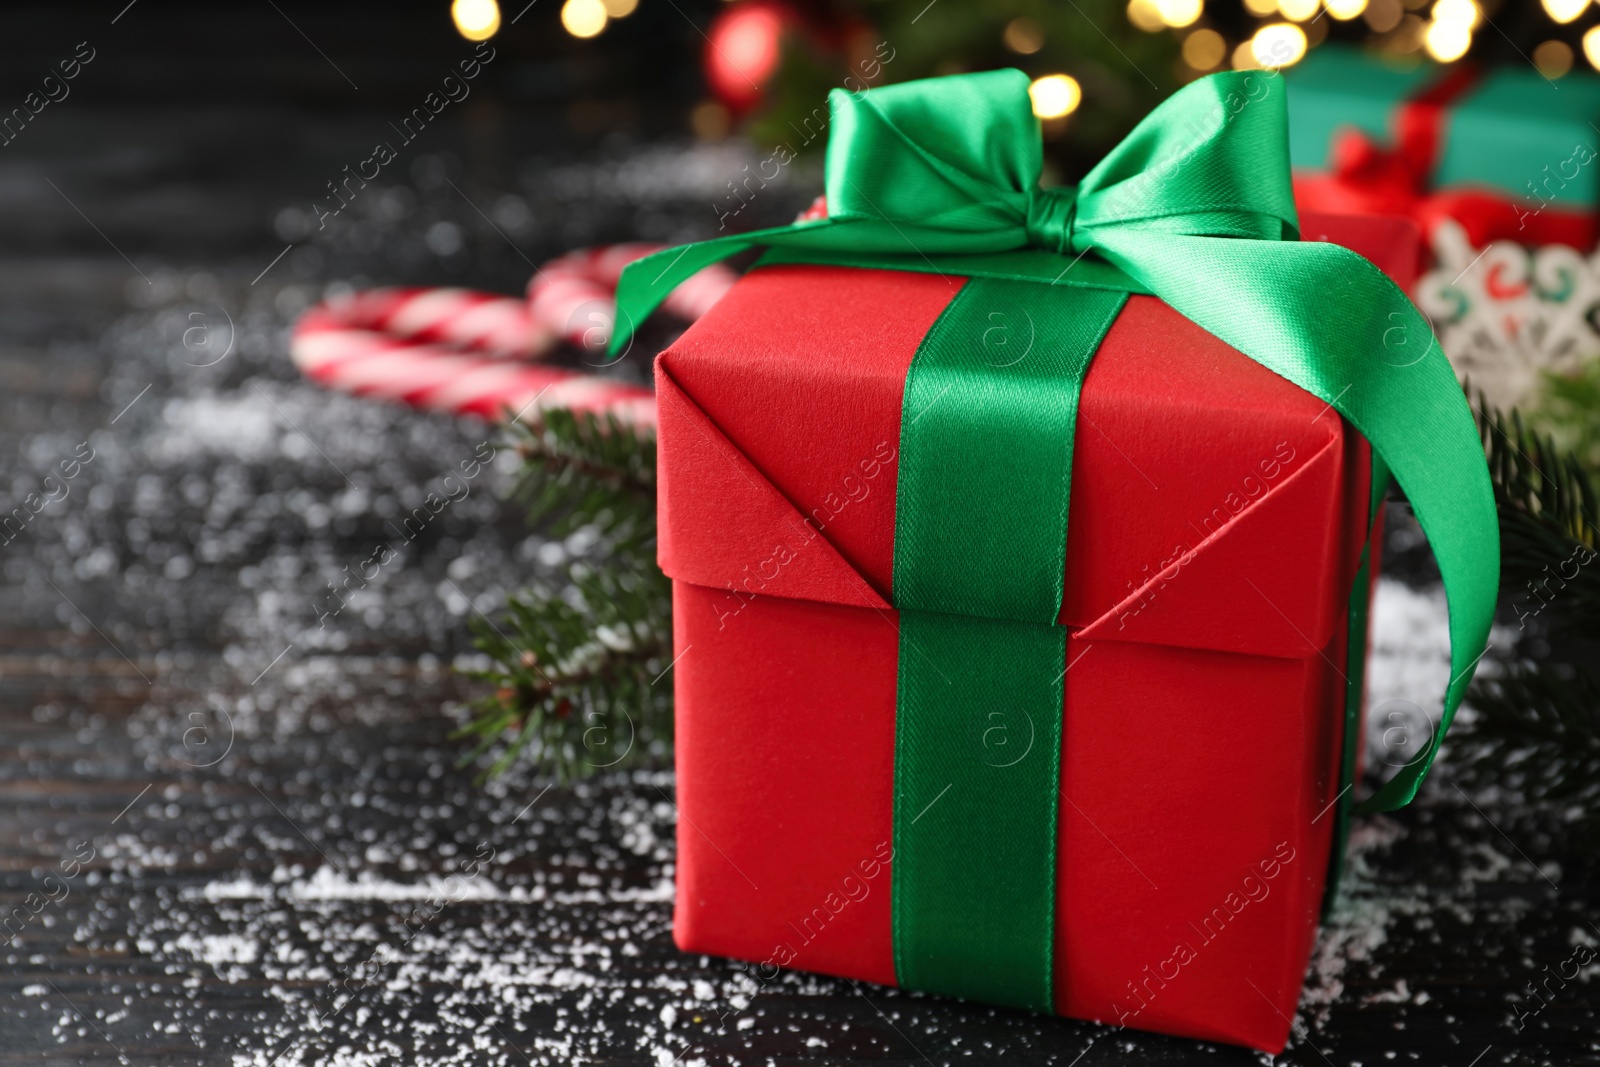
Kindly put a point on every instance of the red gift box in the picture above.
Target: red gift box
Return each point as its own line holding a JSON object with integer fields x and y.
{"x": 1218, "y": 516}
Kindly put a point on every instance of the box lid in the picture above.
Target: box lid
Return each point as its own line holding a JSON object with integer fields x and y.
{"x": 1210, "y": 503}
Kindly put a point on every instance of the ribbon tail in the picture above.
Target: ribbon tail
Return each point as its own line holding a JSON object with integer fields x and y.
{"x": 1288, "y": 306}
{"x": 646, "y": 282}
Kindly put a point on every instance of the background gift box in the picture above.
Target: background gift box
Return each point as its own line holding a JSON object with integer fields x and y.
{"x": 1504, "y": 151}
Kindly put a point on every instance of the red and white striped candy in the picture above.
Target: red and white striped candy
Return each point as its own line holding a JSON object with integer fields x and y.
{"x": 471, "y": 353}
{"x": 576, "y": 293}
{"x": 440, "y": 377}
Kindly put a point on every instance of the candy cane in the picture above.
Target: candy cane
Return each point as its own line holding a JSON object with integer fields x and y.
{"x": 471, "y": 353}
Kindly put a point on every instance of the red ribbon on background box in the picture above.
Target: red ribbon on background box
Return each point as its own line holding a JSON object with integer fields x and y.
{"x": 1370, "y": 179}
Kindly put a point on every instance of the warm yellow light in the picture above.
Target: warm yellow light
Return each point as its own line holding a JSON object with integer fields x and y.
{"x": 620, "y": 9}
{"x": 476, "y": 20}
{"x": 1055, "y": 95}
{"x": 1261, "y": 8}
{"x": 1279, "y": 45}
{"x": 1145, "y": 15}
{"x": 1204, "y": 49}
{"x": 1297, "y": 10}
{"x": 1447, "y": 41}
{"x": 1344, "y": 10}
{"x": 1179, "y": 12}
{"x": 1462, "y": 12}
{"x": 1243, "y": 58}
{"x": 1553, "y": 58}
{"x": 1023, "y": 36}
{"x": 1564, "y": 11}
{"x": 584, "y": 18}
{"x": 1591, "y": 46}
{"x": 1384, "y": 15}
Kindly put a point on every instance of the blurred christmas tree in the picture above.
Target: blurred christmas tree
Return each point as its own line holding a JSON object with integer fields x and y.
{"x": 1119, "y": 57}
{"x": 1089, "y": 43}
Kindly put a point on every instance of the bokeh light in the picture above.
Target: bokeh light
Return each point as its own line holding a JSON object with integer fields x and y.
{"x": 1553, "y": 58}
{"x": 584, "y": 18}
{"x": 1179, "y": 13}
{"x": 710, "y": 120}
{"x": 744, "y": 47}
{"x": 1145, "y": 15}
{"x": 1462, "y": 12}
{"x": 1280, "y": 45}
{"x": 1023, "y": 36}
{"x": 1204, "y": 49}
{"x": 476, "y": 20}
{"x": 1055, "y": 96}
{"x": 1447, "y": 41}
{"x": 1564, "y": 11}
{"x": 1344, "y": 10}
{"x": 1384, "y": 15}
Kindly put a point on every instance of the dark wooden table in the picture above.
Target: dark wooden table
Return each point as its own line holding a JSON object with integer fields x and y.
{"x": 234, "y": 835}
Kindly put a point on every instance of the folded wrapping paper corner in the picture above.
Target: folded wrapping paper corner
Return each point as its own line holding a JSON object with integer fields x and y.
{"x": 773, "y": 548}
{"x": 1196, "y": 207}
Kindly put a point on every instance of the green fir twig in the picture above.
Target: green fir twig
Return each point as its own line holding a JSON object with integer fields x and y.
{"x": 575, "y": 682}
{"x": 1536, "y": 723}
{"x": 585, "y": 470}
{"x": 1569, "y": 411}
{"x": 1536, "y": 729}
{"x": 1548, "y": 534}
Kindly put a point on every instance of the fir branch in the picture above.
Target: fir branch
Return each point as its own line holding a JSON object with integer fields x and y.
{"x": 1537, "y": 729}
{"x": 1548, "y": 535}
{"x": 1567, "y": 412}
{"x": 575, "y": 670}
{"x": 1536, "y": 726}
{"x": 580, "y": 469}
{"x": 574, "y": 684}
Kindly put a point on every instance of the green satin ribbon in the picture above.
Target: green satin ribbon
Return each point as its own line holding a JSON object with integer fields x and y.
{"x": 1193, "y": 207}
{"x": 981, "y": 501}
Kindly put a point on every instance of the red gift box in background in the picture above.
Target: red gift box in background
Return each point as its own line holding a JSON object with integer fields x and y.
{"x": 1502, "y": 151}
{"x": 1218, "y": 516}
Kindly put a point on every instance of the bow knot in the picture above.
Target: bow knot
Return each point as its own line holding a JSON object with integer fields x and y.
{"x": 1051, "y": 213}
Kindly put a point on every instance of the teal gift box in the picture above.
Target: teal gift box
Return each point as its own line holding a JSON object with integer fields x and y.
{"x": 1505, "y": 152}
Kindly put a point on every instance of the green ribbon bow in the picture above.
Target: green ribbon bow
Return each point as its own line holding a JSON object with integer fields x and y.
{"x": 1194, "y": 207}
